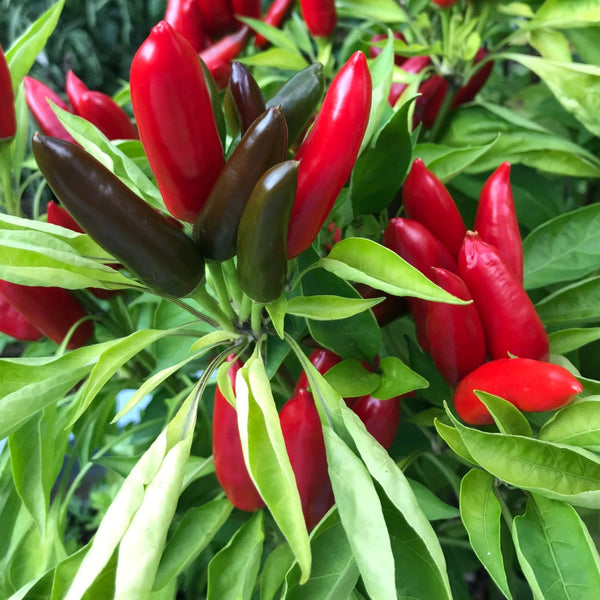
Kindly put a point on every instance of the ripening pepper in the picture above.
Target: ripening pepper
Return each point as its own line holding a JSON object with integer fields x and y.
{"x": 320, "y": 16}
{"x": 52, "y": 310}
{"x": 246, "y": 97}
{"x": 8, "y": 118}
{"x": 303, "y": 436}
{"x": 496, "y": 219}
{"x": 333, "y": 141}
{"x": 509, "y": 319}
{"x": 264, "y": 144}
{"x": 37, "y": 95}
{"x": 15, "y": 324}
{"x": 299, "y": 97}
{"x": 530, "y": 385}
{"x": 151, "y": 247}
{"x": 275, "y": 15}
{"x": 454, "y": 331}
{"x": 228, "y": 458}
{"x": 186, "y": 18}
{"x": 217, "y": 17}
{"x": 173, "y": 110}
{"x": 426, "y": 199}
{"x": 246, "y": 8}
{"x": 262, "y": 233}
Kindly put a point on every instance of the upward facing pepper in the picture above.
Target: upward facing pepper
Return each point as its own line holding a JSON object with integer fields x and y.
{"x": 8, "y": 118}
{"x": 173, "y": 110}
{"x": 329, "y": 152}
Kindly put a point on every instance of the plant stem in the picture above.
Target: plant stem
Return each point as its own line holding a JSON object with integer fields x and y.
{"x": 245, "y": 308}
{"x": 212, "y": 307}
{"x": 231, "y": 280}
{"x": 256, "y": 318}
{"x": 217, "y": 282}
{"x": 444, "y": 112}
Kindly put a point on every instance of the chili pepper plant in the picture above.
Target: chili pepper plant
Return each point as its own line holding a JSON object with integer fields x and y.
{"x": 309, "y": 309}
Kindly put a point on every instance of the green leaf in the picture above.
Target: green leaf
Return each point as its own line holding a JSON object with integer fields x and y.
{"x": 365, "y": 261}
{"x": 552, "y": 45}
{"x": 382, "y": 11}
{"x": 554, "y": 470}
{"x": 273, "y": 573}
{"x": 380, "y": 169}
{"x": 562, "y": 249}
{"x": 280, "y": 58}
{"x": 577, "y": 424}
{"x": 334, "y": 573}
{"x": 277, "y": 310}
{"x": 567, "y": 340}
{"x": 507, "y": 416}
{"x": 266, "y": 456}
{"x": 452, "y": 437}
{"x": 575, "y": 85}
{"x": 233, "y": 571}
{"x": 481, "y": 514}
{"x": 433, "y": 508}
{"x": 327, "y": 307}
{"x": 397, "y": 378}
{"x": 584, "y": 42}
{"x": 196, "y": 529}
{"x": 397, "y": 488}
{"x": 362, "y": 518}
{"x": 351, "y": 379}
{"x": 555, "y": 551}
{"x": 276, "y": 36}
{"x": 559, "y": 14}
{"x": 22, "y": 54}
{"x": 575, "y": 303}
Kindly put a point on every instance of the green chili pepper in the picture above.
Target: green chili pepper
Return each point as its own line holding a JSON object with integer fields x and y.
{"x": 262, "y": 235}
{"x": 263, "y": 145}
{"x": 299, "y": 98}
{"x": 151, "y": 247}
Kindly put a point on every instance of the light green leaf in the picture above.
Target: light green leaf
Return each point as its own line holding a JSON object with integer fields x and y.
{"x": 382, "y": 11}
{"x": 280, "y": 58}
{"x": 273, "y": 573}
{"x": 23, "y": 52}
{"x": 452, "y": 437}
{"x": 233, "y": 571}
{"x": 214, "y": 338}
{"x": 350, "y": 378}
{"x": 433, "y": 508}
{"x": 276, "y": 36}
{"x": 556, "y": 552}
{"x": 552, "y": 45}
{"x": 327, "y": 308}
{"x": 397, "y": 378}
{"x": 481, "y": 514}
{"x": 560, "y": 14}
{"x": 567, "y": 340}
{"x": 575, "y": 303}
{"x": 365, "y": 261}
{"x": 277, "y": 310}
{"x": 577, "y": 424}
{"x": 507, "y": 416}
{"x": 266, "y": 456}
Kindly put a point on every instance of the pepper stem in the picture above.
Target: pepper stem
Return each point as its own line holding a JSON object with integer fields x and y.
{"x": 217, "y": 282}
{"x": 256, "y": 318}
{"x": 231, "y": 280}
{"x": 211, "y": 306}
{"x": 245, "y": 308}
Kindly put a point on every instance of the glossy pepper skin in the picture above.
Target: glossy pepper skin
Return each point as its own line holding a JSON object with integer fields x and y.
{"x": 414, "y": 65}
{"x": 246, "y": 8}
{"x": 173, "y": 110}
{"x": 380, "y": 417}
{"x": 530, "y": 385}
{"x": 52, "y": 310}
{"x": 322, "y": 359}
{"x": 275, "y": 15}
{"x": 219, "y": 55}
{"x": 263, "y": 146}
{"x": 509, "y": 319}
{"x": 454, "y": 332}
{"x": 150, "y": 246}
{"x": 262, "y": 233}
{"x": 320, "y": 16}
{"x": 228, "y": 458}
{"x": 186, "y": 18}
{"x": 334, "y": 141}
{"x": 57, "y": 215}
{"x": 8, "y": 118}
{"x": 217, "y": 17}
{"x": 496, "y": 219}
{"x": 36, "y": 95}
{"x": 299, "y": 97}
{"x": 303, "y": 436}
{"x": 15, "y": 324}
{"x": 426, "y": 199}
{"x": 247, "y": 97}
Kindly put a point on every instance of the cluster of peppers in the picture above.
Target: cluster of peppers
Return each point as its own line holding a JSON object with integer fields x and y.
{"x": 303, "y": 436}
{"x": 471, "y": 343}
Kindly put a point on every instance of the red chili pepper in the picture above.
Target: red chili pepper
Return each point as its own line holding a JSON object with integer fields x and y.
{"x": 303, "y": 435}
{"x": 496, "y": 219}
{"x": 320, "y": 16}
{"x": 428, "y": 103}
{"x": 323, "y": 360}
{"x": 468, "y": 91}
{"x": 530, "y": 385}
{"x": 275, "y": 15}
{"x": 455, "y": 333}
{"x": 414, "y": 65}
{"x": 186, "y": 18}
{"x": 375, "y": 51}
{"x": 37, "y": 94}
{"x": 228, "y": 458}
{"x": 217, "y": 17}
{"x": 509, "y": 319}
{"x": 218, "y": 57}
{"x": 426, "y": 199}
{"x": 380, "y": 417}
{"x": 246, "y": 8}
{"x": 52, "y": 310}
{"x": 444, "y": 3}
{"x": 13, "y": 323}
{"x": 173, "y": 110}
{"x": 420, "y": 248}
{"x": 8, "y": 118}
{"x": 57, "y": 215}
{"x": 334, "y": 142}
